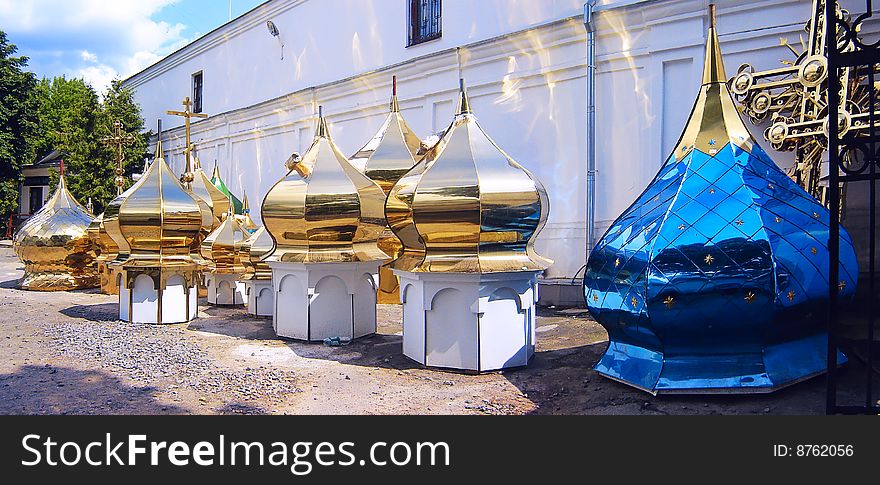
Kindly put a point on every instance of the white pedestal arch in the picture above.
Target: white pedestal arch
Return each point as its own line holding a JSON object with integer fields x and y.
{"x": 469, "y": 322}
{"x": 260, "y": 297}
{"x": 142, "y": 302}
{"x": 225, "y": 289}
{"x": 322, "y": 300}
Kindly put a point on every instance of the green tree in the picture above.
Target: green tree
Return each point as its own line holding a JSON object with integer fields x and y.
{"x": 18, "y": 122}
{"x": 119, "y": 105}
{"x": 74, "y": 121}
{"x": 69, "y": 117}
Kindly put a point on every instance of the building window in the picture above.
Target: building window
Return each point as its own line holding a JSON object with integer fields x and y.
{"x": 197, "y": 92}
{"x": 36, "y": 199}
{"x": 424, "y": 21}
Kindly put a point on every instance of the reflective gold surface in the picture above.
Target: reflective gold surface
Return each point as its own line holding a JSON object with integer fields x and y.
{"x": 715, "y": 121}
{"x": 385, "y": 158}
{"x": 392, "y": 151}
{"x": 467, "y": 207}
{"x": 54, "y": 245}
{"x": 215, "y": 200}
{"x": 221, "y": 247}
{"x": 159, "y": 221}
{"x": 209, "y": 199}
{"x": 106, "y": 251}
{"x": 110, "y": 221}
{"x": 324, "y": 209}
{"x": 251, "y": 252}
{"x": 245, "y": 217}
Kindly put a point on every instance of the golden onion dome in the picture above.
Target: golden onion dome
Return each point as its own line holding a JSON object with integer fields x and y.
{"x": 159, "y": 220}
{"x": 252, "y": 251}
{"x": 110, "y": 221}
{"x": 245, "y": 217}
{"x": 54, "y": 245}
{"x": 221, "y": 247}
{"x": 105, "y": 248}
{"x": 216, "y": 201}
{"x": 467, "y": 207}
{"x": 324, "y": 209}
{"x": 393, "y": 151}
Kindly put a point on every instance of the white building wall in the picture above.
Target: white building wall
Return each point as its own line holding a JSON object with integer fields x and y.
{"x": 524, "y": 61}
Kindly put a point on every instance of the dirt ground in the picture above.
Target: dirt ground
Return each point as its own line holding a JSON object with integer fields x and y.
{"x": 64, "y": 353}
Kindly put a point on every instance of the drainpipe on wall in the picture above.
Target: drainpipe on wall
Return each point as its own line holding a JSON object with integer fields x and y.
{"x": 591, "y": 128}
{"x": 590, "y": 11}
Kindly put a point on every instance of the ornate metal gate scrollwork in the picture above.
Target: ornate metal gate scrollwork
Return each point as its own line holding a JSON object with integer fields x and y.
{"x": 794, "y": 99}
{"x": 853, "y": 138}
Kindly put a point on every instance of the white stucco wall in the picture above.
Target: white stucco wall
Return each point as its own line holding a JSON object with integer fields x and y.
{"x": 527, "y": 87}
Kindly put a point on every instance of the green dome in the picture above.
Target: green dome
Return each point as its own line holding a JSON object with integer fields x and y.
{"x": 221, "y": 186}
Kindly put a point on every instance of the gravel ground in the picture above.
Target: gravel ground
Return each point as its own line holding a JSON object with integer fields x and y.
{"x": 130, "y": 349}
{"x": 64, "y": 353}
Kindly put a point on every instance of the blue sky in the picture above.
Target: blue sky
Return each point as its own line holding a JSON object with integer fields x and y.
{"x": 99, "y": 40}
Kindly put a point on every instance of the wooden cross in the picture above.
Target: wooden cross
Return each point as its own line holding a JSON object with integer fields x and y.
{"x": 120, "y": 139}
{"x": 187, "y": 114}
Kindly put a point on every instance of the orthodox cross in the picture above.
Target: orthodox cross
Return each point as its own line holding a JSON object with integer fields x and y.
{"x": 119, "y": 139}
{"x": 794, "y": 99}
{"x": 187, "y": 114}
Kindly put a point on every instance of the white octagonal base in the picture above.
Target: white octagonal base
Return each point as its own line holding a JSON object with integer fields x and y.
{"x": 260, "y": 297}
{"x": 142, "y": 303}
{"x": 225, "y": 289}
{"x": 469, "y": 322}
{"x": 322, "y": 300}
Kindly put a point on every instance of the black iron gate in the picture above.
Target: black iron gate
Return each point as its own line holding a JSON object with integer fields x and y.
{"x": 854, "y": 160}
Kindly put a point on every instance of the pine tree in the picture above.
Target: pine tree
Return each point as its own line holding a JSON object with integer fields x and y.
{"x": 18, "y": 123}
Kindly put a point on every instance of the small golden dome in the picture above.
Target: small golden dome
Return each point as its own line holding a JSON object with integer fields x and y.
{"x": 467, "y": 207}
{"x": 251, "y": 253}
{"x": 54, "y": 245}
{"x": 216, "y": 200}
{"x": 105, "y": 248}
{"x": 106, "y": 251}
{"x": 245, "y": 217}
{"x": 159, "y": 220}
{"x": 110, "y": 222}
{"x": 393, "y": 151}
{"x": 324, "y": 210}
{"x": 221, "y": 247}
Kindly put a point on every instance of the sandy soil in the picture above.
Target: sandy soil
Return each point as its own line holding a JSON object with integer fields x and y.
{"x": 64, "y": 353}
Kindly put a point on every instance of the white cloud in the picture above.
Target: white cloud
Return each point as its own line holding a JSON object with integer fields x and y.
{"x": 99, "y": 76}
{"x": 94, "y": 39}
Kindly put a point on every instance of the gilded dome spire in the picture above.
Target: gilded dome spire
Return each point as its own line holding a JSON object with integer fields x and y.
{"x": 54, "y": 245}
{"x": 159, "y": 220}
{"x": 251, "y": 252}
{"x": 324, "y": 209}
{"x": 106, "y": 251}
{"x": 714, "y": 121}
{"x": 245, "y": 218}
{"x": 467, "y": 207}
{"x": 221, "y": 247}
{"x": 110, "y": 219}
{"x": 392, "y": 151}
{"x": 202, "y": 187}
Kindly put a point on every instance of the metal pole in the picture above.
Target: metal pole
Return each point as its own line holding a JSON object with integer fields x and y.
{"x": 591, "y": 127}
{"x": 834, "y": 189}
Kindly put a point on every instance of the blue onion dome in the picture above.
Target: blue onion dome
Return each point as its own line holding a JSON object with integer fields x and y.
{"x": 716, "y": 278}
